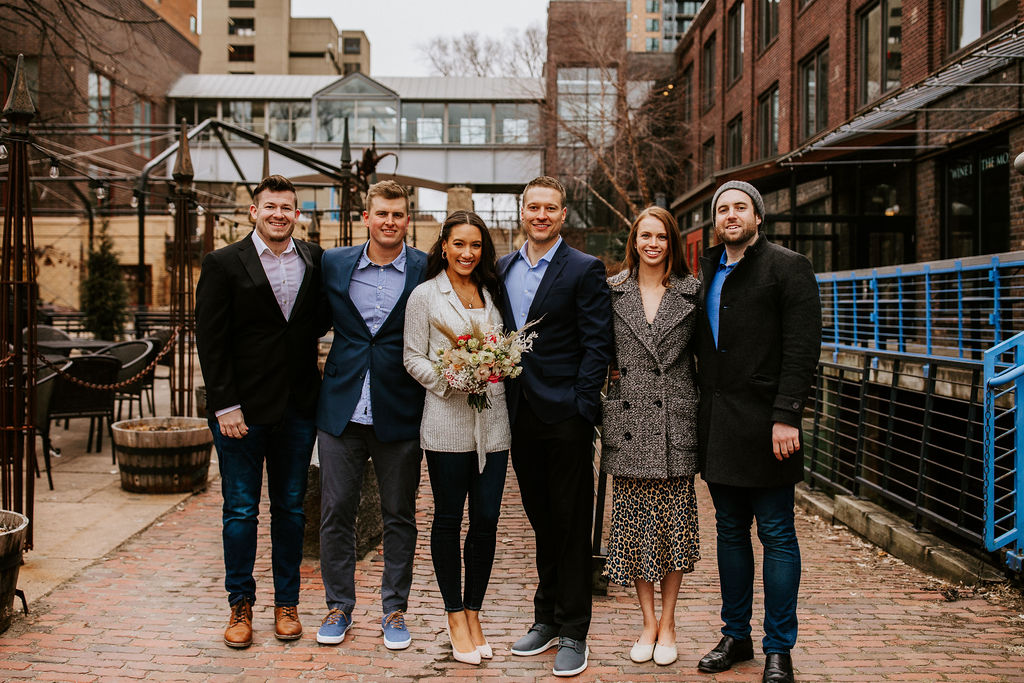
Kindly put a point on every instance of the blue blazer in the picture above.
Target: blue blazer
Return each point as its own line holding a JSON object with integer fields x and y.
{"x": 563, "y": 375}
{"x": 397, "y": 398}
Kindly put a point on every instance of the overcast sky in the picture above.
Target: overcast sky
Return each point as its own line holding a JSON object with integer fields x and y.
{"x": 396, "y": 27}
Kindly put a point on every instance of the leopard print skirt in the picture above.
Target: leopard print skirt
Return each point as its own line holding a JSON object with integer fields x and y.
{"x": 653, "y": 530}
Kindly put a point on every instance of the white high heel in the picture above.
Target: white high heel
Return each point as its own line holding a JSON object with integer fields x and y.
{"x": 471, "y": 657}
{"x": 485, "y": 650}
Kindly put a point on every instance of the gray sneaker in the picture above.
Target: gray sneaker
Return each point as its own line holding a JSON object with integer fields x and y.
{"x": 539, "y": 638}
{"x": 571, "y": 658}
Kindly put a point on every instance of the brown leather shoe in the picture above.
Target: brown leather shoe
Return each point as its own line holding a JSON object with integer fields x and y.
{"x": 286, "y": 623}
{"x": 239, "y": 631}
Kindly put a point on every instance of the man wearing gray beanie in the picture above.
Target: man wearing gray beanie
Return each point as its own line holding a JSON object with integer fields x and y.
{"x": 757, "y": 351}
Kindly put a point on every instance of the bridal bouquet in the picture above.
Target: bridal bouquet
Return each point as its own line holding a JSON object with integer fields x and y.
{"x": 480, "y": 358}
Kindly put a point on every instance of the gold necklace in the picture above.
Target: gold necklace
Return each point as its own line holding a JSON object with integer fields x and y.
{"x": 467, "y": 304}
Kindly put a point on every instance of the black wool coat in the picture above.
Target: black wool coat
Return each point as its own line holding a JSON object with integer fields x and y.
{"x": 769, "y": 342}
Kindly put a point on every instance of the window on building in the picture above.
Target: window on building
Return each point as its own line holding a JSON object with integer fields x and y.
{"x": 629, "y": 24}
{"x": 651, "y": 45}
{"x": 585, "y": 116}
{"x": 241, "y": 53}
{"x": 970, "y": 19}
{"x": 423, "y": 123}
{"x": 368, "y": 120}
{"x": 241, "y": 4}
{"x": 707, "y": 74}
{"x": 142, "y": 117}
{"x": 290, "y": 121}
{"x": 652, "y": 25}
{"x": 768, "y": 123}
{"x": 690, "y": 6}
{"x": 653, "y": 6}
{"x": 814, "y": 93}
{"x": 768, "y": 22}
{"x": 246, "y": 114}
{"x": 193, "y": 25}
{"x": 516, "y": 124}
{"x": 241, "y": 26}
{"x": 881, "y": 47}
{"x": 734, "y": 32}
{"x": 99, "y": 103}
{"x": 669, "y": 44}
{"x": 687, "y": 98}
{"x": 977, "y": 211}
{"x": 351, "y": 68}
{"x": 351, "y": 46}
{"x": 707, "y": 155}
{"x": 469, "y": 123}
{"x": 734, "y": 142}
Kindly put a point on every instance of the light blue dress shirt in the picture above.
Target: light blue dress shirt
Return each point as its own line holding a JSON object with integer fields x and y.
{"x": 374, "y": 290}
{"x": 522, "y": 281}
{"x": 715, "y": 293}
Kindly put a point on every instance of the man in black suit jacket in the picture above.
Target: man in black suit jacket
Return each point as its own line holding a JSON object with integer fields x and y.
{"x": 553, "y": 407}
{"x": 259, "y": 313}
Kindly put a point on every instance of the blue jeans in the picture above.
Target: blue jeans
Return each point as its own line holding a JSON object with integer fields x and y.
{"x": 286, "y": 447}
{"x": 453, "y": 477}
{"x": 735, "y": 509}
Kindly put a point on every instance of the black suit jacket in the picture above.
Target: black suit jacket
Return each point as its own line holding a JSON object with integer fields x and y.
{"x": 563, "y": 375}
{"x": 250, "y": 355}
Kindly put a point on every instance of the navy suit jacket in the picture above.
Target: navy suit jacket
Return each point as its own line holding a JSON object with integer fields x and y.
{"x": 395, "y": 397}
{"x": 563, "y": 375}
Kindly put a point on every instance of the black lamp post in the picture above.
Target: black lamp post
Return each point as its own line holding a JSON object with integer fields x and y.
{"x": 18, "y": 295}
{"x": 182, "y": 296}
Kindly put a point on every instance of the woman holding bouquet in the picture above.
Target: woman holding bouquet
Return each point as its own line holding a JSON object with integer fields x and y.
{"x": 466, "y": 446}
{"x": 649, "y": 440}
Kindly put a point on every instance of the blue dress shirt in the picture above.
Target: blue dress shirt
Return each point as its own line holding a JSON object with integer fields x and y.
{"x": 715, "y": 293}
{"x": 522, "y": 281}
{"x": 374, "y": 290}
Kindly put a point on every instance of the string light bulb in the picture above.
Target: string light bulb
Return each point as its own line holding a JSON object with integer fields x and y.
{"x": 54, "y": 168}
{"x": 134, "y": 200}
{"x": 3, "y": 152}
{"x": 171, "y": 208}
{"x": 200, "y": 211}
{"x": 101, "y": 192}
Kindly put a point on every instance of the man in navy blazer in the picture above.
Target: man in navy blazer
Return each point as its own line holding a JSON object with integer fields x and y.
{"x": 258, "y": 316}
{"x": 370, "y": 408}
{"x": 553, "y": 407}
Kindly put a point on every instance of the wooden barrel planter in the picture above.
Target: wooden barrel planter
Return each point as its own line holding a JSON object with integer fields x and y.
{"x": 163, "y": 454}
{"x": 13, "y": 526}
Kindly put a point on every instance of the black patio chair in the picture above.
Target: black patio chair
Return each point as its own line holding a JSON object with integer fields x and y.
{"x": 71, "y": 400}
{"x": 46, "y": 333}
{"x": 134, "y": 355}
{"x": 46, "y": 382}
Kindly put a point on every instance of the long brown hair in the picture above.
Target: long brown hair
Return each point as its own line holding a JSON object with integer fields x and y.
{"x": 675, "y": 264}
{"x": 486, "y": 272}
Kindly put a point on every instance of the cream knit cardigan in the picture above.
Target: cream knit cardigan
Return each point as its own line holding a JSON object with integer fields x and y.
{"x": 450, "y": 424}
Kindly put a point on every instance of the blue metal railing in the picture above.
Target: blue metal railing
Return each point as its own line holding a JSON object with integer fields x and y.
{"x": 1004, "y": 450}
{"x": 955, "y": 308}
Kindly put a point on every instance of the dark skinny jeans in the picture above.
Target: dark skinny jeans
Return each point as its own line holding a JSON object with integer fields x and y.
{"x": 453, "y": 477}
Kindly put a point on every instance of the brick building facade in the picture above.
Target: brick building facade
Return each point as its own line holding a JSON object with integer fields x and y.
{"x": 879, "y": 131}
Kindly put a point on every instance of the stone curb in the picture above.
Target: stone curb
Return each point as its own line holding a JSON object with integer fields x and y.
{"x": 897, "y": 537}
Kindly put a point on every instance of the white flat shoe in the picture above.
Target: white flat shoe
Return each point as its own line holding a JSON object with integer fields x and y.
{"x": 485, "y": 650}
{"x": 665, "y": 654}
{"x": 471, "y": 657}
{"x": 641, "y": 653}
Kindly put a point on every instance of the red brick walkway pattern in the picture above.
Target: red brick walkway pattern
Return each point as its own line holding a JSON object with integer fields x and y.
{"x": 155, "y": 610}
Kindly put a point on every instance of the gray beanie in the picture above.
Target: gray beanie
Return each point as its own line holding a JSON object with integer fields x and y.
{"x": 745, "y": 188}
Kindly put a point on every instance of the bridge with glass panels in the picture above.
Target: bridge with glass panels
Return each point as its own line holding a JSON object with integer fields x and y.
{"x": 481, "y": 132}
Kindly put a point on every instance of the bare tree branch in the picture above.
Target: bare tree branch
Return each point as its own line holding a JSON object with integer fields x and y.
{"x": 470, "y": 54}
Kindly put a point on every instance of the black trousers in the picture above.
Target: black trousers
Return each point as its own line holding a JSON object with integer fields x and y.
{"x": 554, "y": 466}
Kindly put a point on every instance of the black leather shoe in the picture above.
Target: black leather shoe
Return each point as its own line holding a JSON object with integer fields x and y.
{"x": 726, "y": 653}
{"x": 778, "y": 668}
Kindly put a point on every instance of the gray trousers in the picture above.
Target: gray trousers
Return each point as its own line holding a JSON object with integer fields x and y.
{"x": 342, "y": 463}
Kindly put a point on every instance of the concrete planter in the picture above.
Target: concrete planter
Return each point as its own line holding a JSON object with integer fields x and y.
{"x": 163, "y": 454}
{"x": 13, "y": 527}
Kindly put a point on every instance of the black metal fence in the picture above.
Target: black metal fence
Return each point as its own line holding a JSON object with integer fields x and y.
{"x": 907, "y": 429}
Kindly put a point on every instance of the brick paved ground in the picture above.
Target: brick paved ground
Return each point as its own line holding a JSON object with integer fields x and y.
{"x": 155, "y": 610}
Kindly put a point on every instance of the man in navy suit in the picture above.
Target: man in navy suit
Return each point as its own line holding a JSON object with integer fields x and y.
{"x": 553, "y": 407}
{"x": 370, "y": 408}
{"x": 259, "y": 314}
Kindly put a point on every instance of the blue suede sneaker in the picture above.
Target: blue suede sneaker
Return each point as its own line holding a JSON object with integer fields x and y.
{"x": 334, "y": 628}
{"x": 396, "y": 635}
